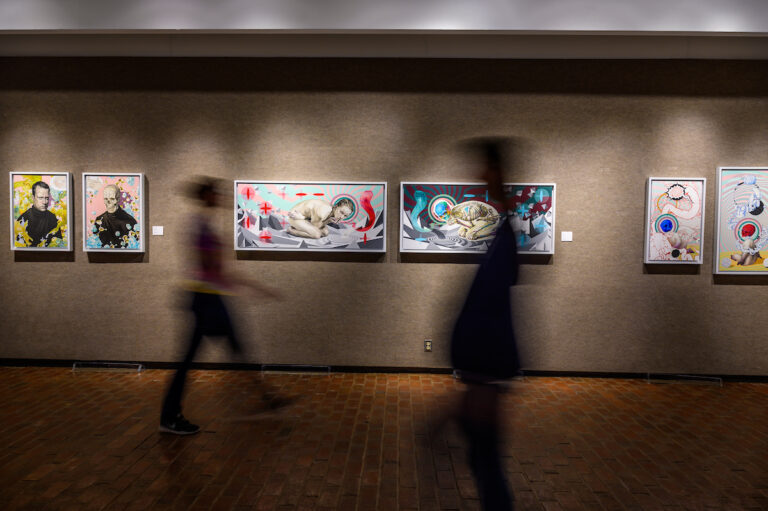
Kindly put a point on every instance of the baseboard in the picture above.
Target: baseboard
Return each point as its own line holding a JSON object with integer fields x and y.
{"x": 747, "y": 378}
{"x": 220, "y": 366}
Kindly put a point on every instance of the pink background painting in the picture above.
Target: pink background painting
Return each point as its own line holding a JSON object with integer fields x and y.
{"x": 129, "y": 200}
{"x": 94, "y": 201}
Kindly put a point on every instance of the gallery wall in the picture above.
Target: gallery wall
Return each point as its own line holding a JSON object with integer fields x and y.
{"x": 598, "y": 129}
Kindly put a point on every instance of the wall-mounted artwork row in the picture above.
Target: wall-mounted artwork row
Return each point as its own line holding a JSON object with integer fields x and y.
{"x": 310, "y": 216}
{"x": 113, "y": 212}
{"x": 40, "y": 211}
{"x": 674, "y": 224}
{"x": 462, "y": 217}
{"x": 742, "y": 221}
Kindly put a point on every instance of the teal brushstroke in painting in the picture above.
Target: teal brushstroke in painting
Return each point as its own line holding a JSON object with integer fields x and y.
{"x": 278, "y": 203}
{"x": 421, "y": 203}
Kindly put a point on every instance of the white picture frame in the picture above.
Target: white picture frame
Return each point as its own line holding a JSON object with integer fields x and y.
{"x": 57, "y": 212}
{"x": 118, "y": 231}
{"x": 675, "y": 220}
{"x": 741, "y": 224}
{"x": 265, "y": 213}
{"x": 425, "y": 208}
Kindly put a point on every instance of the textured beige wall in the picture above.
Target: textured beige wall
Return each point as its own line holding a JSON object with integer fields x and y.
{"x": 597, "y": 129}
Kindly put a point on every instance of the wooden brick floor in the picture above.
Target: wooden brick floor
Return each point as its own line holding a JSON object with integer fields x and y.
{"x": 89, "y": 440}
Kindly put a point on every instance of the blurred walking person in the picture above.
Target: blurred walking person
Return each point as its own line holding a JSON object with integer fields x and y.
{"x": 208, "y": 287}
{"x": 483, "y": 346}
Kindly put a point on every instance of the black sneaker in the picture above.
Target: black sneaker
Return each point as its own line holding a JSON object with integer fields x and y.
{"x": 178, "y": 426}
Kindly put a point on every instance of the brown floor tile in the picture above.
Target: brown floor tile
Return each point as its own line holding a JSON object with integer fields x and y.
{"x": 359, "y": 442}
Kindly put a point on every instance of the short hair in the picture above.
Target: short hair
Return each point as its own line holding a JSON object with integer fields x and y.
{"x": 40, "y": 184}
{"x": 345, "y": 201}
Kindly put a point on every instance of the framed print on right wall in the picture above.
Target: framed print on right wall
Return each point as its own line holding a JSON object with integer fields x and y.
{"x": 741, "y": 231}
{"x": 674, "y": 222}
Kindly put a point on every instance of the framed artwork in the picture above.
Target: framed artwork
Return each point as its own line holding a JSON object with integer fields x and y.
{"x": 461, "y": 217}
{"x": 533, "y": 216}
{"x": 674, "y": 222}
{"x": 310, "y": 216}
{"x": 113, "y": 212}
{"x": 40, "y": 211}
{"x": 741, "y": 232}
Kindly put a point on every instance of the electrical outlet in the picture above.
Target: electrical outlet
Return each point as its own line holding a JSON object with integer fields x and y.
{"x": 427, "y": 344}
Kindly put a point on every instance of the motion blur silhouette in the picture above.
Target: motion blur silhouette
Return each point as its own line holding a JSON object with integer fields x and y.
{"x": 207, "y": 288}
{"x": 483, "y": 346}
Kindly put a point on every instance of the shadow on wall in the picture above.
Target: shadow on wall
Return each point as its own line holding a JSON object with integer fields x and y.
{"x": 740, "y": 280}
{"x": 20, "y": 256}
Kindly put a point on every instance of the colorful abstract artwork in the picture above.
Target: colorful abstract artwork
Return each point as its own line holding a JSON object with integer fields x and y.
{"x": 741, "y": 244}
{"x": 533, "y": 216}
{"x": 310, "y": 216}
{"x": 462, "y": 217}
{"x": 40, "y": 211}
{"x": 674, "y": 220}
{"x": 113, "y": 213}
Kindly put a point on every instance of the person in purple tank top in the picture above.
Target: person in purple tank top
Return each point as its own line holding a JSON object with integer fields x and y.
{"x": 208, "y": 286}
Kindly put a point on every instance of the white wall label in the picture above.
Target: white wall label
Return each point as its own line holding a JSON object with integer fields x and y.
{"x": 157, "y": 230}
{"x": 566, "y": 235}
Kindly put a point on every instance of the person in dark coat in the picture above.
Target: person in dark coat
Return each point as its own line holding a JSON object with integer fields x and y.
{"x": 483, "y": 346}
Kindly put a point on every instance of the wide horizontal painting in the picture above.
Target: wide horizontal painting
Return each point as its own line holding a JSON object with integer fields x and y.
{"x": 674, "y": 225}
{"x": 742, "y": 221}
{"x": 463, "y": 217}
{"x": 40, "y": 211}
{"x": 310, "y": 216}
{"x": 113, "y": 213}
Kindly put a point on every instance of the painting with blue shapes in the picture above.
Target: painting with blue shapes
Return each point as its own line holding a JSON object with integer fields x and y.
{"x": 461, "y": 217}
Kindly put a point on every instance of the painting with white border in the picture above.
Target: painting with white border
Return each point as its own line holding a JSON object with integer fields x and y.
{"x": 463, "y": 217}
{"x": 40, "y": 211}
{"x": 741, "y": 245}
{"x": 310, "y": 216}
{"x": 113, "y": 212}
{"x": 675, "y": 220}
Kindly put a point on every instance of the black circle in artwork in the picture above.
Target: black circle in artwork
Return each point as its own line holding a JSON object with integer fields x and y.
{"x": 675, "y": 253}
{"x": 758, "y": 209}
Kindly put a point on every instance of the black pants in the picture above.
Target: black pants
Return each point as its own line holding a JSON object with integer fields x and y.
{"x": 211, "y": 319}
{"x": 479, "y": 419}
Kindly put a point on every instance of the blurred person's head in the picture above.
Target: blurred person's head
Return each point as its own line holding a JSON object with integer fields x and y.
{"x": 206, "y": 190}
{"x": 490, "y": 155}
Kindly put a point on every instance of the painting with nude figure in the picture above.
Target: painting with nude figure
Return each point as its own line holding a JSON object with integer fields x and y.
{"x": 310, "y": 216}
{"x": 674, "y": 225}
{"x": 741, "y": 231}
{"x": 462, "y": 217}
